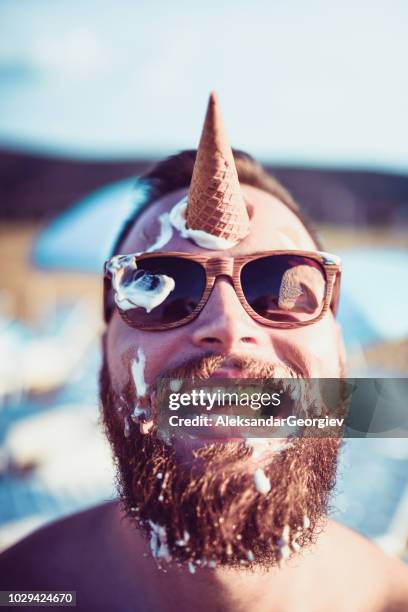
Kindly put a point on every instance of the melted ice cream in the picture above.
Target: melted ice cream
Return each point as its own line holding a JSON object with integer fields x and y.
{"x": 184, "y": 540}
{"x": 295, "y": 545}
{"x": 138, "y": 367}
{"x": 259, "y": 446}
{"x": 145, "y": 291}
{"x": 262, "y": 445}
{"x": 176, "y": 384}
{"x": 137, "y": 288}
{"x": 126, "y": 427}
{"x": 200, "y": 237}
{"x": 285, "y": 551}
{"x": 165, "y": 234}
{"x": 286, "y": 534}
{"x": 158, "y": 542}
{"x": 137, "y": 413}
{"x": 262, "y": 482}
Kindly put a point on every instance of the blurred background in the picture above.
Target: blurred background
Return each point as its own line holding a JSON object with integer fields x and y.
{"x": 91, "y": 93}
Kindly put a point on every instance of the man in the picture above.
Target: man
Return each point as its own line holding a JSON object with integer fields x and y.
{"x": 218, "y": 276}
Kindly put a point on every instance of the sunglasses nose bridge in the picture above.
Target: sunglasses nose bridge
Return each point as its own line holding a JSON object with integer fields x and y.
{"x": 221, "y": 266}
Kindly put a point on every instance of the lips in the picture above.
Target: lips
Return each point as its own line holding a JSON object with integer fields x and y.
{"x": 229, "y": 373}
{"x": 225, "y": 377}
{"x": 230, "y": 368}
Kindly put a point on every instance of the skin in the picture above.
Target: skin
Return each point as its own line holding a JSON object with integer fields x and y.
{"x": 99, "y": 554}
{"x": 223, "y": 325}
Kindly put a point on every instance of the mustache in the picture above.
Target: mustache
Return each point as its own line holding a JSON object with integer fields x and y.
{"x": 206, "y": 365}
{"x": 202, "y": 368}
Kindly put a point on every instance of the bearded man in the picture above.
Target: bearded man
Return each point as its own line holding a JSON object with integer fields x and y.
{"x": 218, "y": 275}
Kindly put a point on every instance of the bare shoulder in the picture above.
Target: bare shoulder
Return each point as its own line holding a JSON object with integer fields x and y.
{"x": 58, "y": 549}
{"x": 366, "y": 567}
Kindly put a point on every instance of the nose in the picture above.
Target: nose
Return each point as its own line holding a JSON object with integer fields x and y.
{"x": 223, "y": 325}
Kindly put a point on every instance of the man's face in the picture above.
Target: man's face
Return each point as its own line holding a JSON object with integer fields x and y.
{"x": 223, "y": 326}
{"x": 222, "y": 329}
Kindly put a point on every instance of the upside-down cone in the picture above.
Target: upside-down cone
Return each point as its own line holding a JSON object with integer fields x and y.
{"x": 215, "y": 201}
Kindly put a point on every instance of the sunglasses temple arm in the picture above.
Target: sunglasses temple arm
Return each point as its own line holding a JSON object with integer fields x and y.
{"x": 107, "y": 305}
{"x": 335, "y": 292}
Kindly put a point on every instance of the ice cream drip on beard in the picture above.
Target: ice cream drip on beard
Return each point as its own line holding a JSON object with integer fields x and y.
{"x": 137, "y": 288}
{"x": 142, "y": 406}
{"x": 213, "y": 498}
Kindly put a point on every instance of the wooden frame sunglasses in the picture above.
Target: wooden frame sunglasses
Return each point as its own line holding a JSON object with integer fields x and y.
{"x": 215, "y": 266}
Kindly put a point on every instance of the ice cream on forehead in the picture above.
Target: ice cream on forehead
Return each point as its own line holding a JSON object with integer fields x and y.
{"x": 214, "y": 214}
{"x": 200, "y": 237}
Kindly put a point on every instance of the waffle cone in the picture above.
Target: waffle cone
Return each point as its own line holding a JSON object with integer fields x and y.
{"x": 215, "y": 201}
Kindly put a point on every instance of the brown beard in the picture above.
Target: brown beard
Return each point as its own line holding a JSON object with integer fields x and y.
{"x": 208, "y": 511}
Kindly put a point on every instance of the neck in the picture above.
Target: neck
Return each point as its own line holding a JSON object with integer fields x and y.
{"x": 176, "y": 588}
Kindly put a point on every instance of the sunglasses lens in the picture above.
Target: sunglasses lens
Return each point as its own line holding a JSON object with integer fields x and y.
{"x": 159, "y": 290}
{"x": 284, "y": 288}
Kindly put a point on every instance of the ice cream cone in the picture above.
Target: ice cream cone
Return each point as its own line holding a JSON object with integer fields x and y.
{"x": 215, "y": 201}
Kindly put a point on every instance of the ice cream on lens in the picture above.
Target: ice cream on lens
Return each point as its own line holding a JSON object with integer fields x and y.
{"x": 138, "y": 288}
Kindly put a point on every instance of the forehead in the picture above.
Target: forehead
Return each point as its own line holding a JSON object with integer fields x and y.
{"x": 272, "y": 226}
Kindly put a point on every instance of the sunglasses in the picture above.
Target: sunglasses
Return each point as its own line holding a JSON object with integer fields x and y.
{"x": 283, "y": 289}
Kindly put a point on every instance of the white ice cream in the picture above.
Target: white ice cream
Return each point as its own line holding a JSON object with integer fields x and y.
{"x": 146, "y": 291}
{"x": 184, "y": 540}
{"x": 137, "y": 413}
{"x": 259, "y": 446}
{"x": 285, "y": 551}
{"x": 165, "y": 234}
{"x": 176, "y": 384}
{"x": 262, "y": 445}
{"x": 286, "y": 534}
{"x": 285, "y": 543}
{"x": 126, "y": 427}
{"x": 200, "y": 237}
{"x": 262, "y": 482}
{"x": 281, "y": 446}
{"x": 132, "y": 290}
{"x": 191, "y": 567}
{"x": 295, "y": 545}
{"x": 138, "y": 367}
{"x": 158, "y": 542}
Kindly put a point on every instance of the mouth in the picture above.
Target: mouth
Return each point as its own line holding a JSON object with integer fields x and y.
{"x": 224, "y": 419}
{"x": 230, "y": 368}
{"x": 216, "y": 420}
{"x": 228, "y": 373}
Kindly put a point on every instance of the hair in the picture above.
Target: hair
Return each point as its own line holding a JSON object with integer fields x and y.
{"x": 175, "y": 172}
{"x": 206, "y": 506}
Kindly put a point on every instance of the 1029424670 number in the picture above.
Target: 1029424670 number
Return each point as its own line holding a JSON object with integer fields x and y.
{"x": 35, "y": 598}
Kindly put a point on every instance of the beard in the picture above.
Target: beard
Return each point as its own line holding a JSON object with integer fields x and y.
{"x": 207, "y": 511}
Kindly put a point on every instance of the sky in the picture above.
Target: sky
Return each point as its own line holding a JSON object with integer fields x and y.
{"x": 311, "y": 83}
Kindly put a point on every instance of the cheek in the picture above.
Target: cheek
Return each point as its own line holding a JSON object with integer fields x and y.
{"x": 320, "y": 345}
{"x": 125, "y": 344}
